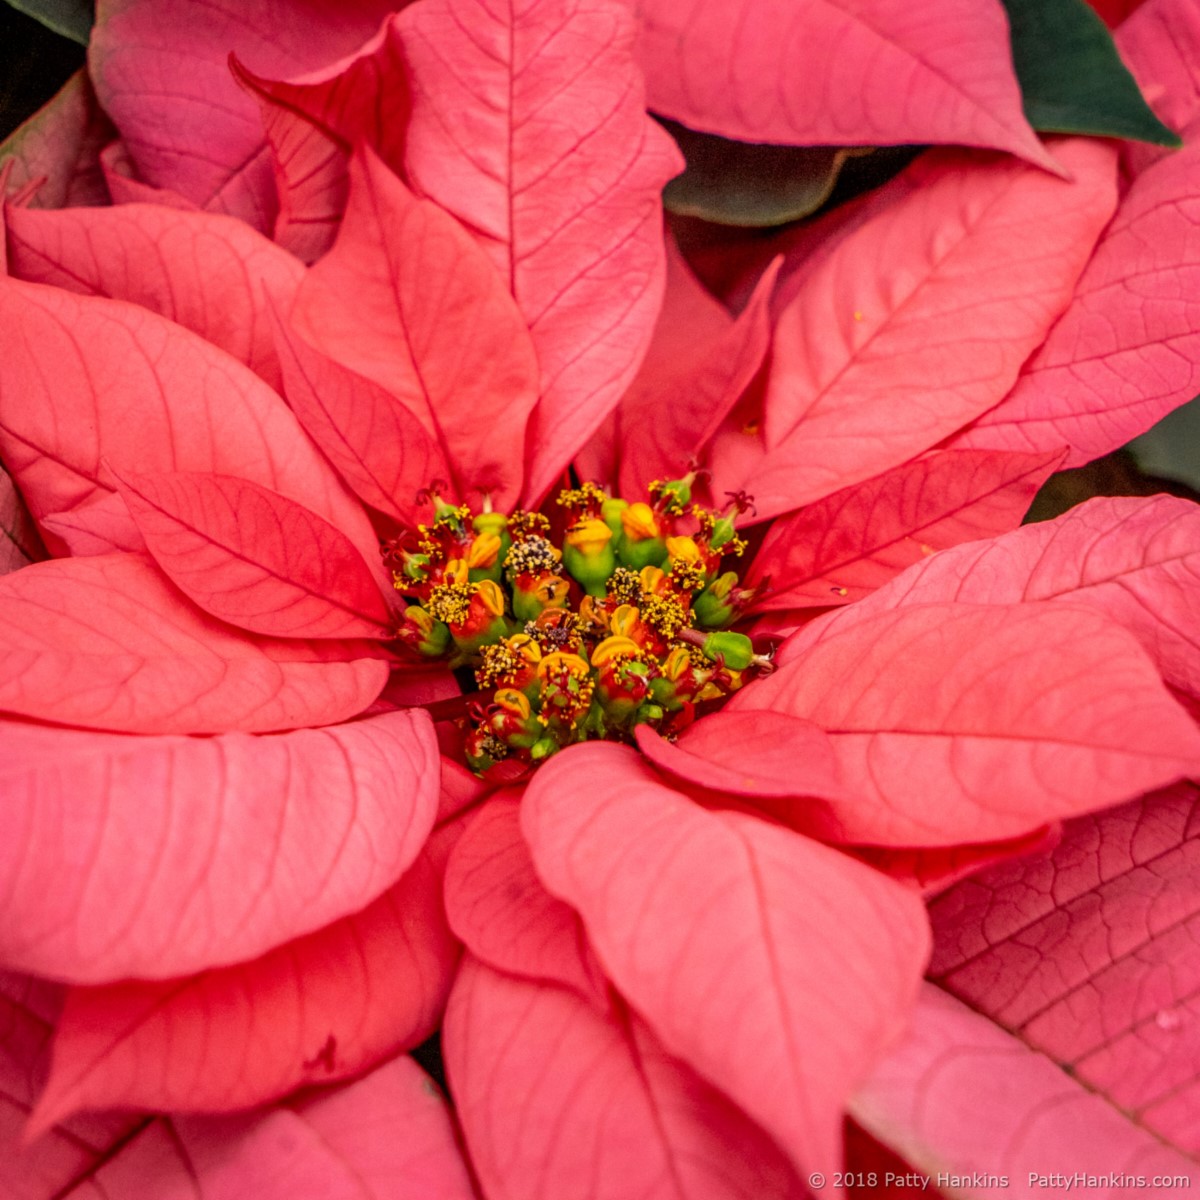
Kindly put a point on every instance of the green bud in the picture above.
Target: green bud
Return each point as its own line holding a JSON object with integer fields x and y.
{"x": 610, "y": 513}
{"x": 677, "y": 493}
{"x": 588, "y": 555}
{"x": 736, "y": 649}
{"x": 713, "y": 608}
{"x": 543, "y": 748}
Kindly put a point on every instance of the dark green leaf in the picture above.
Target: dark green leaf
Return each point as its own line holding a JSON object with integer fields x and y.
{"x": 70, "y": 18}
{"x": 747, "y": 184}
{"x": 1072, "y": 79}
{"x": 1171, "y": 449}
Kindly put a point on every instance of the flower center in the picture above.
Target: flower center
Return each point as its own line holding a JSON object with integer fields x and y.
{"x": 581, "y": 624}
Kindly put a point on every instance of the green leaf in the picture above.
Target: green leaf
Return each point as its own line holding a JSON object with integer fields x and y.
{"x": 1171, "y": 449}
{"x": 1072, "y": 79}
{"x": 747, "y": 184}
{"x": 71, "y": 18}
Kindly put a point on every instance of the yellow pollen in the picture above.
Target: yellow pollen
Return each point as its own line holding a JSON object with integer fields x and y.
{"x": 585, "y": 498}
{"x": 450, "y": 602}
{"x": 570, "y": 664}
{"x": 664, "y": 614}
{"x": 524, "y": 525}
{"x": 625, "y": 586}
{"x": 533, "y": 556}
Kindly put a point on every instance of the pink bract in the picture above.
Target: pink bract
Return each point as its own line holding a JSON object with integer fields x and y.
{"x": 395, "y": 249}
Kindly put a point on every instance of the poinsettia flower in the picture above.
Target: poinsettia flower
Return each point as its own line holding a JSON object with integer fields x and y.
{"x": 651, "y": 933}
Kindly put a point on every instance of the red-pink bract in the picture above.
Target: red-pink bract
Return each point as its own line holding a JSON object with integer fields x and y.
{"x": 682, "y": 964}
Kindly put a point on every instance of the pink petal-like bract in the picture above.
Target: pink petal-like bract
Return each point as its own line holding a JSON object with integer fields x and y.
{"x": 978, "y": 1110}
{"x": 691, "y": 321}
{"x": 662, "y": 427}
{"x": 59, "y": 146}
{"x": 322, "y": 1007}
{"x": 208, "y": 273}
{"x": 105, "y": 642}
{"x": 255, "y": 558}
{"x": 62, "y": 1158}
{"x": 409, "y": 300}
{"x": 247, "y": 841}
{"x": 1160, "y": 46}
{"x": 1084, "y": 959}
{"x": 1135, "y": 559}
{"x": 837, "y": 72}
{"x": 497, "y": 905}
{"x": 161, "y": 69}
{"x": 1126, "y": 351}
{"x": 19, "y": 541}
{"x": 376, "y": 443}
{"x": 918, "y": 320}
{"x": 558, "y": 170}
{"x": 312, "y": 125}
{"x": 967, "y": 723}
{"x": 557, "y": 1099}
{"x": 386, "y": 1136}
{"x": 86, "y": 381}
{"x": 755, "y": 753}
{"x": 840, "y": 548}
{"x": 751, "y": 952}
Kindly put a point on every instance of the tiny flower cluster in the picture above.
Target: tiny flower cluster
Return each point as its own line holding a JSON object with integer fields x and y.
{"x": 619, "y": 621}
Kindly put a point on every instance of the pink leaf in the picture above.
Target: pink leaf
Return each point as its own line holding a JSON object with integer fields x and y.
{"x": 498, "y": 906}
{"x": 838, "y": 549}
{"x": 559, "y": 1100}
{"x": 86, "y": 379}
{"x": 461, "y": 791}
{"x": 207, "y": 273}
{"x": 161, "y": 70}
{"x": 964, "y": 723}
{"x": 1160, "y": 46}
{"x": 107, "y": 643}
{"x": 19, "y": 541}
{"x": 981, "y": 1114}
{"x": 337, "y": 1143}
{"x": 310, "y": 169}
{"x": 407, "y": 299}
{"x": 758, "y": 754}
{"x": 690, "y": 322}
{"x": 917, "y": 321}
{"x": 1127, "y": 349}
{"x": 559, "y": 172}
{"x": 319, "y": 1008}
{"x": 254, "y": 558}
{"x": 54, "y": 1163}
{"x": 125, "y": 188}
{"x": 662, "y": 430}
{"x": 312, "y": 126}
{"x": 934, "y": 870}
{"x": 378, "y": 446}
{"x": 60, "y": 144}
{"x": 720, "y": 930}
{"x": 840, "y": 73}
{"x": 248, "y": 841}
{"x": 1135, "y": 559}
{"x": 1086, "y": 957}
